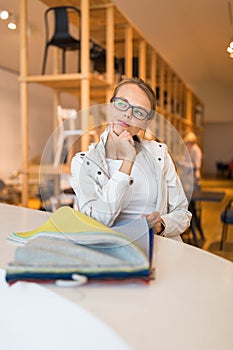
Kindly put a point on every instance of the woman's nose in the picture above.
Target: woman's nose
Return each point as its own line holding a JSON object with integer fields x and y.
{"x": 128, "y": 114}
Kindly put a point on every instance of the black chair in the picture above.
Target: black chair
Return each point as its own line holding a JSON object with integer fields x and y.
{"x": 222, "y": 169}
{"x": 9, "y": 194}
{"x": 61, "y": 37}
{"x": 98, "y": 58}
{"x": 227, "y": 219}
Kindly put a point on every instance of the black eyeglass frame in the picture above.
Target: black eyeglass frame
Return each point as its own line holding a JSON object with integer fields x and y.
{"x": 148, "y": 114}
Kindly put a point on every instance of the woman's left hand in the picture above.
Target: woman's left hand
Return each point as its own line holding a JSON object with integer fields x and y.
{"x": 154, "y": 221}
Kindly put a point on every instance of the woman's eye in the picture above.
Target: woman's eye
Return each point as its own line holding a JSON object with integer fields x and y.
{"x": 121, "y": 104}
{"x": 138, "y": 112}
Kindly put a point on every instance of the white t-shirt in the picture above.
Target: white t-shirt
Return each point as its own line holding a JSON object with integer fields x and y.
{"x": 143, "y": 191}
{"x": 196, "y": 156}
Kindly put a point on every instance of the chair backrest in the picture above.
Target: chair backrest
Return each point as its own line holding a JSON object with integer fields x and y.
{"x": 61, "y": 22}
{"x": 66, "y": 114}
{"x": 227, "y": 214}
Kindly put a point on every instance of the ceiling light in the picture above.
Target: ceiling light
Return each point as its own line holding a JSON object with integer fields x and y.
{"x": 4, "y": 14}
{"x": 12, "y": 23}
{"x": 230, "y": 46}
{"x": 230, "y": 49}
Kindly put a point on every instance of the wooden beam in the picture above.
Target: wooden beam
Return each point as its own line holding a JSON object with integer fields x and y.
{"x": 174, "y": 92}
{"x": 128, "y": 51}
{"x": 24, "y": 114}
{"x": 142, "y": 59}
{"x": 153, "y": 69}
{"x": 152, "y": 125}
{"x": 169, "y": 91}
{"x": 182, "y": 99}
{"x": 110, "y": 50}
{"x": 56, "y": 60}
{"x": 161, "y": 85}
{"x": 189, "y": 105}
{"x": 85, "y": 70}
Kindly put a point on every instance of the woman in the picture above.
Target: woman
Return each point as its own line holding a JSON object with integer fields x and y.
{"x": 124, "y": 177}
{"x": 192, "y": 165}
{"x": 196, "y": 157}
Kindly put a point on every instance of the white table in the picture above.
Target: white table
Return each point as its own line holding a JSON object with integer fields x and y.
{"x": 188, "y": 306}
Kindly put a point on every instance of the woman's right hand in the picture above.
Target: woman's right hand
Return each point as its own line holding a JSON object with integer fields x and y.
{"x": 122, "y": 145}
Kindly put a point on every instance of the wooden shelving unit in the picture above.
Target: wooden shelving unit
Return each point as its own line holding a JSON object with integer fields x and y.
{"x": 71, "y": 83}
{"x": 103, "y": 22}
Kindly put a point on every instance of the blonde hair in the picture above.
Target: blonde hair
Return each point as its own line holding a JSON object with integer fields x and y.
{"x": 190, "y": 138}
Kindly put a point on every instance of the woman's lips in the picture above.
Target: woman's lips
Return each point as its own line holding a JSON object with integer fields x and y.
{"x": 121, "y": 122}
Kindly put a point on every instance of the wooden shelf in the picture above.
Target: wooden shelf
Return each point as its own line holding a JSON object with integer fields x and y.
{"x": 76, "y": 3}
{"x": 68, "y": 80}
{"x": 71, "y": 83}
{"x": 47, "y": 169}
{"x": 108, "y": 27}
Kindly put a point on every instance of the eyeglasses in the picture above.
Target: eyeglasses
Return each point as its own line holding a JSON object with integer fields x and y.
{"x": 138, "y": 112}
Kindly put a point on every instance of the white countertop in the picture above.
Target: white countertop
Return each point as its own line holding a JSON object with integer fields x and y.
{"x": 188, "y": 306}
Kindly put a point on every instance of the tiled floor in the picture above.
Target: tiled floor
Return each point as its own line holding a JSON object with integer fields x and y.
{"x": 211, "y": 222}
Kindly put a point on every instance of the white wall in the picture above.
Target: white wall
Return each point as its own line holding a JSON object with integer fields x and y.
{"x": 218, "y": 129}
{"x": 9, "y": 124}
{"x": 40, "y": 121}
{"x": 218, "y": 145}
{"x": 218, "y": 100}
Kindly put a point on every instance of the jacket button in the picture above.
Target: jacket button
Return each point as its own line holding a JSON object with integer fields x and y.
{"x": 160, "y": 145}
{"x": 99, "y": 172}
{"x": 82, "y": 154}
{"x": 159, "y": 158}
{"x": 88, "y": 163}
{"x": 130, "y": 182}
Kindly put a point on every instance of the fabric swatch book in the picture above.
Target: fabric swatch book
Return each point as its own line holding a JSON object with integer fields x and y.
{"x": 72, "y": 244}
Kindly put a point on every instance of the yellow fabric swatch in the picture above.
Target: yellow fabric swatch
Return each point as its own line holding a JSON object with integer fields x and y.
{"x": 66, "y": 219}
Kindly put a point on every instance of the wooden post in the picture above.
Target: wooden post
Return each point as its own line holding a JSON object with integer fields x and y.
{"x": 56, "y": 102}
{"x": 142, "y": 59}
{"x": 182, "y": 99}
{"x": 153, "y": 72}
{"x": 85, "y": 70}
{"x": 189, "y": 106}
{"x": 110, "y": 50}
{"x": 24, "y": 114}
{"x": 57, "y": 177}
{"x": 128, "y": 51}
{"x": 175, "y": 96}
{"x": 56, "y": 60}
{"x": 178, "y": 99}
{"x": 161, "y": 85}
{"x": 161, "y": 99}
{"x": 168, "y": 106}
{"x": 169, "y": 92}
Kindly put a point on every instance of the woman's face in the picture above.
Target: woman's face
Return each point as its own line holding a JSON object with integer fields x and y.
{"x": 125, "y": 120}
